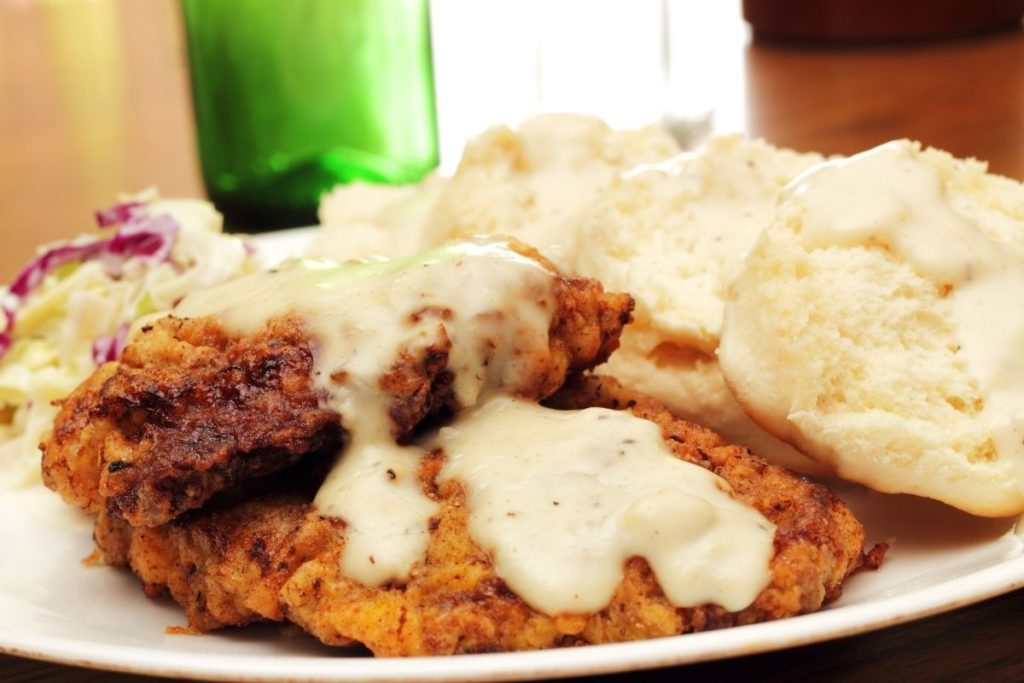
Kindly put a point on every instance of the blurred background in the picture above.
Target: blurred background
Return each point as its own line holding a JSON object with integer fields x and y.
{"x": 95, "y": 95}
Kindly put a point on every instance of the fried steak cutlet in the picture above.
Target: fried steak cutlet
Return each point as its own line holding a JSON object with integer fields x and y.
{"x": 192, "y": 409}
{"x": 205, "y": 452}
{"x": 188, "y": 410}
{"x": 273, "y": 557}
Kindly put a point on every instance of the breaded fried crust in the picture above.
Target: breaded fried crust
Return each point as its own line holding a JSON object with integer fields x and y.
{"x": 191, "y": 409}
{"x": 188, "y": 411}
{"x": 225, "y": 566}
{"x": 453, "y": 601}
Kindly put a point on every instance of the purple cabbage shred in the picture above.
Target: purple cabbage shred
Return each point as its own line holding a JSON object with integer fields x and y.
{"x": 117, "y": 214}
{"x": 7, "y": 335}
{"x": 138, "y": 235}
{"x": 109, "y": 347}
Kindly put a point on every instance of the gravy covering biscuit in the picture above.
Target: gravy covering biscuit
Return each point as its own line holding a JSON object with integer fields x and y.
{"x": 878, "y": 325}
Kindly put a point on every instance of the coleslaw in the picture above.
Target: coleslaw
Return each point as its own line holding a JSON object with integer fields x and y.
{"x": 70, "y": 309}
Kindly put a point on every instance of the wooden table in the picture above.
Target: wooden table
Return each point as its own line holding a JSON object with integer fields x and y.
{"x": 94, "y": 101}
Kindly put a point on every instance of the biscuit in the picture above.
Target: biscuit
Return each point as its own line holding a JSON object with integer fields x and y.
{"x": 674, "y": 235}
{"x": 878, "y": 325}
{"x": 360, "y": 220}
{"x": 531, "y": 182}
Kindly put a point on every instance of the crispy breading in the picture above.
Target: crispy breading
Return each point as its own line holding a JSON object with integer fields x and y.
{"x": 227, "y": 562}
{"x": 191, "y": 410}
{"x": 165, "y": 428}
{"x": 225, "y": 566}
{"x": 216, "y": 562}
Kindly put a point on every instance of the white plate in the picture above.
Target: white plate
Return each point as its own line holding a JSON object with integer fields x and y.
{"x": 53, "y": 607}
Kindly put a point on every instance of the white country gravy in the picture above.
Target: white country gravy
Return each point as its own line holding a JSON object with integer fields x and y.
{"x": 562, "y": 498}
{"x": 484, "y": 298}
{"x": 890, "y": 197}
{"x": 495, "y": 308}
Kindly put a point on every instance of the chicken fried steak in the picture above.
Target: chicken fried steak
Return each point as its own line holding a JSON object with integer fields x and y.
{"x": 278, "y": 558}
{"x": 361, "y": 450}
{"x": 189, "y": 410}
{"x": 199, "y": 403}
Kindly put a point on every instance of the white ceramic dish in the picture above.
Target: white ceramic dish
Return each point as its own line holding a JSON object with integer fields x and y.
{"x": 55, "y": 608}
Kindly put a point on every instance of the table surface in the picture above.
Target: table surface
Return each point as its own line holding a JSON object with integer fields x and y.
{"x": 94, "y": 101}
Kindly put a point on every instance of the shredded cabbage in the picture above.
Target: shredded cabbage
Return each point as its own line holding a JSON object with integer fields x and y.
{"x": 71, "y": 307}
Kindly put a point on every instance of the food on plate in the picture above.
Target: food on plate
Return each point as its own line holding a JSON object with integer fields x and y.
{"x": 197, "y": 403}
{"x": 460, "y": 514}
{"x": 225, "y": 564}
{"x": 621, "y": 206}
{"x": 528, "y": 183}
{"x": 187, "y": 411}
{"x": 70, "y": 308}
{"x": 274, "y": 557}
{"x": 674, "y": 235}
{"x": 361, "y": 219}
{"x": 878, "y": 325}
{"x": 531, "y": 182}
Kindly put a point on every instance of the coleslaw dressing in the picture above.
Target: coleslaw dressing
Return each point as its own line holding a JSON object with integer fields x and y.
{"x": 494, "y": 307}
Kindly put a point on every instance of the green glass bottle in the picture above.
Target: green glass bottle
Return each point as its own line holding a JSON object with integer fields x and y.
{"x": 293, "y": 97}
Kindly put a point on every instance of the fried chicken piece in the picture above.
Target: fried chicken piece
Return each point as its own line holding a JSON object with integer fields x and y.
{"x": 453, "y": 601}
{"x": 191, "y": 410}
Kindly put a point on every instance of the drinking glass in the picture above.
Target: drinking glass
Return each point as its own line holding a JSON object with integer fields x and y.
{"x": 292, "y": 97}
